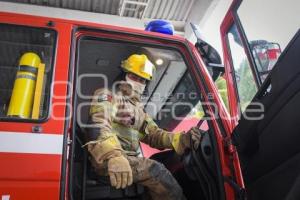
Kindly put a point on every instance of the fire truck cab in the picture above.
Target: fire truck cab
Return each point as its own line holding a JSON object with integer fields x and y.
{"x": 50, "y": 68}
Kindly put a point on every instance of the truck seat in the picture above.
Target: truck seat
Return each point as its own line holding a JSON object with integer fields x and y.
{"x": 92, "y": 185}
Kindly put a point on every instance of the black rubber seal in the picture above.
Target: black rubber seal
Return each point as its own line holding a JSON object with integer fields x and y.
{"x": 27, "y": 68}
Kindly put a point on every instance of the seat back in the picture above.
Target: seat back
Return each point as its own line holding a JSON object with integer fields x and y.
{"x": 98, "y": 65}
{"x": 269, "y": 148}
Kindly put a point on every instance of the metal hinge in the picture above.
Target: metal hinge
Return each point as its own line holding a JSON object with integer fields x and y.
{"x": 229, "y": 146}
{"x": 69, "y": 141}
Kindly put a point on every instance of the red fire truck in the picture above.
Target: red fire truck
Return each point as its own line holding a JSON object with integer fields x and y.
{"x": 59, "y": 63}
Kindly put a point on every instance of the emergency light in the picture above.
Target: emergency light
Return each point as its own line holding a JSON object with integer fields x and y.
{"x": 160, "y": 26}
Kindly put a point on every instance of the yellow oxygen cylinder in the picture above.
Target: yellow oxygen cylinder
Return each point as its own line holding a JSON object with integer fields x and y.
{"x": 21, "y": 100}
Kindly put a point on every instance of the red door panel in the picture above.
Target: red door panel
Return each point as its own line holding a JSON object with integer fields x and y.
{"x": 31, "y": 161}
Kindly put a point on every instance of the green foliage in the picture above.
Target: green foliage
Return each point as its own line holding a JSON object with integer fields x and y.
{"x": 246, "y": 84}
{"x": 222, "y": 88}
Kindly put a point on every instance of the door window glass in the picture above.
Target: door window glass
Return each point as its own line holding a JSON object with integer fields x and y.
{"x": 183, "y": 107}
{"x": 25, "y": 71}
{"x": 269, "y": 28}
{"x": 171, "y": 98}
{"x": 244, "y": 78}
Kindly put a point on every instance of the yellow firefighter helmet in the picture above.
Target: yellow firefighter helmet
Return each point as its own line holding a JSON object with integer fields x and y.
{"x": 139, "y": 65}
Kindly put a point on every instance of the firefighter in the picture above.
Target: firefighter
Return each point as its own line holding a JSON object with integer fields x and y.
{"x": 120, "y": 122}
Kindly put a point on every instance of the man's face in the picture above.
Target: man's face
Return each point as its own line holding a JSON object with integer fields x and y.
{"x": 138, "y": 84}
{"x": 136, "y": 78}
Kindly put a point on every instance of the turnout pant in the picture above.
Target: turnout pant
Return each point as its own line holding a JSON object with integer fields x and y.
{"x": 154, "y": 176}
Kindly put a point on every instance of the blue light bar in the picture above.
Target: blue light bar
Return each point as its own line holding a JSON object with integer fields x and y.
{"x": 160, "y": 26}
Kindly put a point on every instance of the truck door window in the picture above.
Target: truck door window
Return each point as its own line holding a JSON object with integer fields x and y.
{"x": 244, "y": 78}
{"x": 25, "y": 71}
{"x": 183, "y": 108}
{"x": 170, "y": 98}
{"x": 268, "y": 28}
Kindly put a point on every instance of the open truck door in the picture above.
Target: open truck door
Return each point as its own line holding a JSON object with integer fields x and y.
{"x": 264, "y": 108}
{"x": 182, "y": 95}
{"x": 252, "y": 44}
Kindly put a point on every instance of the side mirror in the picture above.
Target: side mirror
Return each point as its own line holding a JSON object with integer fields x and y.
{"x": 211, "y": 58}
{"x": 209, "y": 55}
{"x": 265, "y": 55}
{"x": 216, "y": 70}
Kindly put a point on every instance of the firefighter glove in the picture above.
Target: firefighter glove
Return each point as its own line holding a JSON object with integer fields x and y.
{"x": 184, "y": 141}
{"x": 120, "y": 172}
{"x": 195, "y": 137}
